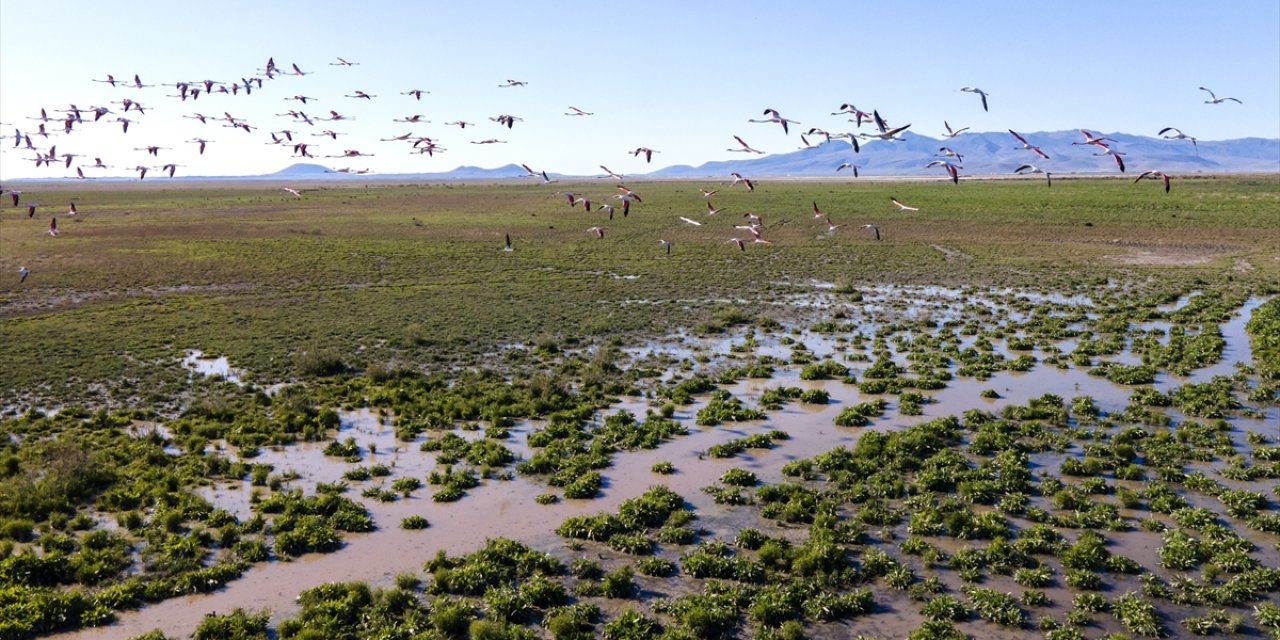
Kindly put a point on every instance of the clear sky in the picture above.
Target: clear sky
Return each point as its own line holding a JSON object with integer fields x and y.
{"x": 678, "y": 76}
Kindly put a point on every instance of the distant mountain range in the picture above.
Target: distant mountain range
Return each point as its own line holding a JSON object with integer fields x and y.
{"x": 999, "y": 153}
{"x": 984, "y": 154}
{"x": 990, "y": 153}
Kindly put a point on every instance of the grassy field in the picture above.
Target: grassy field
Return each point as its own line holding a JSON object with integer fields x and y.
{"x": 415, "y": 273}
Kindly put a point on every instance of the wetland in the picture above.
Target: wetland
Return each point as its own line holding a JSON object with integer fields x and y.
{"x": 231, "y": 413}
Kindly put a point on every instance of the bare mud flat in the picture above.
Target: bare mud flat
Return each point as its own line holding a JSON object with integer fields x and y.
{"x": 508, "y": 507}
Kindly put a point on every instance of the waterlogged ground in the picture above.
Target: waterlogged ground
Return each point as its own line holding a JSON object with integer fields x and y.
{"x": 857, "y": 328}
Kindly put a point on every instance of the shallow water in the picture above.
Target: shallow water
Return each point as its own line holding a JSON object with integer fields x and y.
{"x": 507, "y": 508}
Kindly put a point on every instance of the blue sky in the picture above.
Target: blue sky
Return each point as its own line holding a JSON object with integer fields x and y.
{"x": 680, "y": 77}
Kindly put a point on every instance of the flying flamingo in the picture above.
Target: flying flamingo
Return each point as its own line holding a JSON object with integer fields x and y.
{"x": 507, "y": 247}
{"x": 1178, "y": 135}
{"x": 711, "y": 211}
{"x": 831, "y": 226}
{"x": 691, "y": 221}
{"x": 607, "y": 207}
{"x": 818, "y": 213}
{"x": 874, "y": 229}
{"x": 951, "y": 153}
{"x": 294, "y": 192}
{"x": 979, "y": 92}
{"x": 737, "y": 177}
{"x": 360, "y": 94}
{"x": 1093, "y": 139}
{"x": 23, "y": 272}
{"x": 416, "y": 93}
{"x": 343, "y": 63}
{"x": 746, "y": 148}
{"x": 952, "y": 170}
{"x": 666, "y": 244}
{"x": 1108, "y": 151}
{"x": 53, "y": 227}
{"x": 740, "y": 244}
{"x": 951, "y": 133}
{"x": 1031, "y": 168}
{"x": 848, "y": 165}
{"x": 648, "y": 153}
{"x": 774, "y": 116}
{"x": 902, "y": 207}
{"x": 513, "y": 83}
{"x": 574, "y": 111}
{"x": 708, "y": 194}
{"x": 599, "y": 231}
{"x": 610, "y": 173}
{"x": 1213, "y": 99}
{"x": 1164, "y": 176}
{"x": 1028, "y": 146}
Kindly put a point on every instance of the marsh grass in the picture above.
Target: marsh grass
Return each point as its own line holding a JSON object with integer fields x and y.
{"x": 415, "y": 273}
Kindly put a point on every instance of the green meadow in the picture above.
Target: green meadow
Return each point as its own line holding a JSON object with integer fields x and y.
{"x": 414, "y": 274}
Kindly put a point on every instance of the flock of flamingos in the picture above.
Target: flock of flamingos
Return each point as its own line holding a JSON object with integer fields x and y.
{"x": 302, "y": 126}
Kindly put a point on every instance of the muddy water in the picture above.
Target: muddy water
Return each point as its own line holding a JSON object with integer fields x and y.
{"x": 507, "y": 508}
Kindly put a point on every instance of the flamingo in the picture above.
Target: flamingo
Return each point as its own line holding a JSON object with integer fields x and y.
{"x": 752, "y": 218}
{"x": 1031, "y": 168}
{"x": 1164, "y": 176}
{"x": 626, "y": 199}
{"x": 513, "y": 83}
{"x": 648, "y": 153}
{"x": 951, "y": 153}
{"x": 746, "y": 148}
{"x": 711, "y": 211}
{"x": 528, "y": 171}
{"x": 740, "y": 244}
{"x": 848, "y": 165}
{"x": 599, "y": 231}
{"x": 507, "y": 247}
{"x": 489, "y": 141}
{"x": 831, "y": 226}
{"x": 666, "y": 244}
{"x": 53, "y": 227}
{"x": 818, "y": 213}
{"x": 1093, "y": 139}
{"x": 416, "y": 93}
{"x": 952, "y": 170}
{"x": 610, "y": 173}
{"x": 462, "y": 124}
{"x": 343, "y": 63}
{"x": 301, "y": 98}
{"x": 979, "y": 92}
{"x": 508, "y": 120}
{"x": 886, "y": 134}
{"x": 1178, "y": 135}
{"x": 294, "y": 192}
{"x": 171, "y": 168}
{"x": 691, "y": 221}
{"x": 822, "y": 132}
{"x": 111, "y": 80}
{"x": 31, "y": 209}
{"x": 142, "y": 171}
{"x": 23, "y": 272}
{"x": 586, "y": 204}
{"x": 859, "y": 116}
{"x": 902, "y": 207}
{"x": 708, "y": 193}
{"x": 774, "y": 116}
{"x": 607, "y": 207}
{"x": 874, "y": 229}
{"x": 951, "y": 133}
{"x": 574, "y": 111}
{"x": 200, "y": 141}
{"x": 1213, "y": 99}
{"x": 1108, "y": 151}
{"x": 1028, "y": 146}
{"x": 737, "y": 177}
{"x": 300, "y": 72}
{"x": 360, "y": 94}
